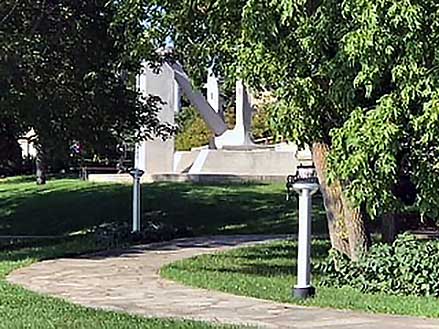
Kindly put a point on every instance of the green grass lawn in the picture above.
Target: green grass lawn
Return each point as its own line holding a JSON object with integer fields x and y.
{"x": 65, "y": 206}
{"x": 20, "y": 308}
{"x": 269, "y": 272}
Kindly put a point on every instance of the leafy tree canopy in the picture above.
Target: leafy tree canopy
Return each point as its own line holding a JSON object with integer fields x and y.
{"x": 61, "y": 72}
{"x": 358, "y": 75}
{"x": 202, "y": 32}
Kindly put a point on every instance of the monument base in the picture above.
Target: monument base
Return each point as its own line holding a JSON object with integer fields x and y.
{"x": 229, "y": 165}
{"x": 253, "y": 162}
{"x": 195, "y": 178}
{"x": 303, "y": 293}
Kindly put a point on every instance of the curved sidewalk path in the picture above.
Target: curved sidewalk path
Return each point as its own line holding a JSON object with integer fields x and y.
{"x": 128, "y": 281}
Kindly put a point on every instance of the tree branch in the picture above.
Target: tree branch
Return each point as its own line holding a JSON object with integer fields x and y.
{"x": 10, "y": 12}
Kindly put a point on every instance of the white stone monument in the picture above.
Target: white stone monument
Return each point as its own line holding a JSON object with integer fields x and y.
{"x": 235, "y": 156}
{"x": 213, "y": 120}
{"x": 235, "y": 152}
{"x": 213, "y": 93}
{"x": 240, "y": 135}
{"x": 156, "y": 155}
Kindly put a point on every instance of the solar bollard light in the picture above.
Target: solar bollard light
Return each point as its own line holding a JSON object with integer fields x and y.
{"x": 136, "y": 174}
{"x": 305, "y": 183}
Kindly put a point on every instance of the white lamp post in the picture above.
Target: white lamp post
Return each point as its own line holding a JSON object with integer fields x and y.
{"x": 136, "y": 174}
{"x": 305, "y": 183}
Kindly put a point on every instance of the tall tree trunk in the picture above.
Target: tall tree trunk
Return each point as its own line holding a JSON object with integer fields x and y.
{"x": 346, "y": 226}
{"x": 359, "y": 236}
{"x": 332, "y": 201}
{"x": 40, "y": 164}
{"x": 389, "y": 227}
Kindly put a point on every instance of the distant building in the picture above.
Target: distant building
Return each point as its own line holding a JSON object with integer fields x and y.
{"x": 27, "y": 145}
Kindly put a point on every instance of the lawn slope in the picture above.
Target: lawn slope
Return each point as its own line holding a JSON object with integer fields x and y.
{"x": 65, "y": 206}
{"x": 269, "y": 272}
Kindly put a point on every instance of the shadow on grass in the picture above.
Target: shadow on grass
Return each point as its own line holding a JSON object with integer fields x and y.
{"x": 206, "y": 242}
{"x": 45, "y": 250}
{"x": 17, "y": 180}
{"x": 287, "y": 250}
{"x": 273, "y": 260}
{"x": 84, "y": 247}
{"x": 60, "y": 210}
{"x": 66, "y": 206}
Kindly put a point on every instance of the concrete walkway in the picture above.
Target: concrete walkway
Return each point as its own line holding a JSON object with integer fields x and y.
{"x": 128, "y": 281}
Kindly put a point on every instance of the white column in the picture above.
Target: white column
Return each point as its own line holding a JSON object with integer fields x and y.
{"x": 137, "y": 210}
{"x": 304, "y": 248}
{"x": 156, "y": 156}
{"x": 140, "y": 156}
{"x": 136, "y": 204}
{"x": 240, "y": 135}
{"x": 213, "y": 92}
{"x": 243, "y": 109}
{"x": 177, "y": 98}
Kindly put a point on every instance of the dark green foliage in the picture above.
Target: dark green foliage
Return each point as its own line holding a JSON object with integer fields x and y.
{"x": 10, "y": 151}
{"x": 361, "y": 76}
{"x": 67, "y": 206}
{"x": 203, "y": 32}
{"x": 407, "y": 267}
{"x": 117, "y": 235}
{"x": 62, "y": 73}
{"x": 268, "y": 271}
{"x": 193, "y": 131}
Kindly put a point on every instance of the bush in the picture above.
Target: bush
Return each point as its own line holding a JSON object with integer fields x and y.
{"x": 10, "y": 155}
{"x": 117, "y": 235}
{"x": 407, "y": 267}
{"x": 193, "y": 132}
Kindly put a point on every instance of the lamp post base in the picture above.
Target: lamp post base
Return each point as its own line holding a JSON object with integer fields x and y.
{"x": 303, "y": 293}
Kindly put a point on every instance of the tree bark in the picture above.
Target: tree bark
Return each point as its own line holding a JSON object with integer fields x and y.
{"x": 346, "y": 226}
{"x": 389, "y": 228}
{"x": 358, "y": 234}
{"x": 40, "y": 165}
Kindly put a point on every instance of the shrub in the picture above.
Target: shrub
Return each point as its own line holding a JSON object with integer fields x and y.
{"x": 117, "y": 235}
{"x": 10, "y": 155}
{"x": 407, "y": 267}
{"x": 193, "y": 132}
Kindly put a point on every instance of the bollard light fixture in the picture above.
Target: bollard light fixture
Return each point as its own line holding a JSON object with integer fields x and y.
{"x": 136, "y": 174}
{"x": 305, "y": 183}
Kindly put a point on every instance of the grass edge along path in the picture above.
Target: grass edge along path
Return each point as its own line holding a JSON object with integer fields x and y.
{"x": 268, "y": 272}
{"x": 20, "y": 308}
